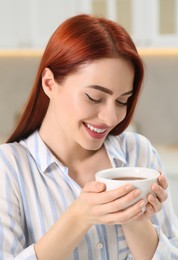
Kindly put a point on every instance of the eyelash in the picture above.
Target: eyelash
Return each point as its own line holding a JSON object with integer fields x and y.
{"x": 122, "y": 103}
{"x": 99, "y": 100}
{"x": 92, "y": 99}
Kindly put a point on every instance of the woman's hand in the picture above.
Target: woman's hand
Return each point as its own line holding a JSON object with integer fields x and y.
{"x": 141, "y": 236}
{"x": 155, "y": 202}
{"x": 109, "y": 207}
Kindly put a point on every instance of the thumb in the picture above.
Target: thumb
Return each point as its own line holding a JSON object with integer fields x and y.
{"x": 94, "y": 186}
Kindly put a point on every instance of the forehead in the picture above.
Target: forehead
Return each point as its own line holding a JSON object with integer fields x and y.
{"x": 108, "y": 66}
{"x": 110, "y": 73}
{"x": 116, "y": 74}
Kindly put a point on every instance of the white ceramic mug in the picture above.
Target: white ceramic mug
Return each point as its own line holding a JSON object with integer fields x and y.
{"x": 140, "y": 177}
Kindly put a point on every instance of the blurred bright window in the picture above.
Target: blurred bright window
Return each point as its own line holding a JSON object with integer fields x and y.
{"x": 29, "y": 24}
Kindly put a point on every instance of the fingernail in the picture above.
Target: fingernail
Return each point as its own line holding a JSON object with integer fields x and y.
{"x": 100, "y": 186}
{"x": 137, "y": 192}
{"x": 143, "y": 209}
{"x": 142, "y": 204}
{"x": 155, "y": 187}
{"x": 128, "y": 187}
{"x": 152, "y": 198}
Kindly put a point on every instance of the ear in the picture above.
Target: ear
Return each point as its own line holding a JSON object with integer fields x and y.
{"x": 48, "y": 81}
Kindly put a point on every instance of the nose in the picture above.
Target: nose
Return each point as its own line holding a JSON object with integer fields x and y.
{"x": 111, "y": 115}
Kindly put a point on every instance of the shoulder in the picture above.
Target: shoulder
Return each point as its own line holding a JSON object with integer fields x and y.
{"x": 11, "y": 157}
{"x": 11, "y": 151}
{"x": 131, "y": 140}
{"x": 136, "y": 148}
{"x": 135, "y": 140}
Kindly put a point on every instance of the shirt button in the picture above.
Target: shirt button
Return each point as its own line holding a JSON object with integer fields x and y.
{"x": 99, "y": 245}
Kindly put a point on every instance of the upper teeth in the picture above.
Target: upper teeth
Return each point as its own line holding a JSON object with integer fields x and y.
{"x": 97, "y": 130}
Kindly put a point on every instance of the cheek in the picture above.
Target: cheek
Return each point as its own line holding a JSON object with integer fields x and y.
{"x": 82, "y": 108}
{"x": 122, "y": 114}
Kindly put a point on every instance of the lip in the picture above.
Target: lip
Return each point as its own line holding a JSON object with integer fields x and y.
{"x": 95, "y": 134}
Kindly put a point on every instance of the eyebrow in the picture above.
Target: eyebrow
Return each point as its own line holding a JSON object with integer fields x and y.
{"x": 108, "y": 91}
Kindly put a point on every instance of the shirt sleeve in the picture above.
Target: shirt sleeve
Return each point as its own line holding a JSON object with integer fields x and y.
{"x": 13, "y": 241}
{"x": 167, "y": 248}
{"x": 27, "y": 254}
{"x": 165, "y": 221}
{"x": 140, "y": 153}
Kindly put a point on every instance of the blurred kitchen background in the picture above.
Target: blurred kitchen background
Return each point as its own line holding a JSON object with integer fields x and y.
{"x": 25, "y": 27}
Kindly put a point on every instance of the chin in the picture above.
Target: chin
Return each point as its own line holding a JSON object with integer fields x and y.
{"x": 93, "y": 146}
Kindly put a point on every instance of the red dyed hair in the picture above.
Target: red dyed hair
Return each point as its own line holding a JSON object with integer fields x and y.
{"x": 78, "y": 40}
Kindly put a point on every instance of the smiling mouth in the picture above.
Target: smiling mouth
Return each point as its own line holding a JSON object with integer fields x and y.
{"x": 95, "y": 129}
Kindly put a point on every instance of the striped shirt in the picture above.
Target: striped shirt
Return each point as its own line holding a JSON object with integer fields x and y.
{"x": 35, "y": 189}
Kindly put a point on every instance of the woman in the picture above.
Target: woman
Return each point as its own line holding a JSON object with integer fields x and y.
{"x": 83, "y": 99}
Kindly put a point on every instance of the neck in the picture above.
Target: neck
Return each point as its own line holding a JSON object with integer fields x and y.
{"x": 64, "y": 150}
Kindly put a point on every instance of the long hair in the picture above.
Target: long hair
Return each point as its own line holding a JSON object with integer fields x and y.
{"x": 78, "y": 40}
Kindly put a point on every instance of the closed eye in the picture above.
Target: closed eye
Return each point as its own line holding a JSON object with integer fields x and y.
{"x": 122, "y": 103}
{"x": 92, "y": 99}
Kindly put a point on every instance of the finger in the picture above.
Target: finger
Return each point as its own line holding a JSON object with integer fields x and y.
{"x": 149, "y": 211}
{"x": 154, "y": 203}
{"x": 120, "y": 203}
{"x": 160, "y": 192}
{"x": 94, "y": 186}
{"x": 112, "y": 195}
{"x": 125, "y": 216}
{"x": 162, "y": 181}
{"x": 107, "y": 196}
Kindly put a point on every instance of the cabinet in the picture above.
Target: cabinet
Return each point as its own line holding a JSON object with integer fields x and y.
{"x": 30, "y": 23}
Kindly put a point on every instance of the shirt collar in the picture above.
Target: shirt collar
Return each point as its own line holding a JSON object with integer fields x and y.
{"x": 115, "y": 150}
{"x": 40, "y": 152}
{"x": 44, "y": 157}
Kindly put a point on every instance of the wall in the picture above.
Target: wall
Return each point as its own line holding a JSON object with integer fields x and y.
{"x": 17, "y": 72}
{"x": 156, "y": 113}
